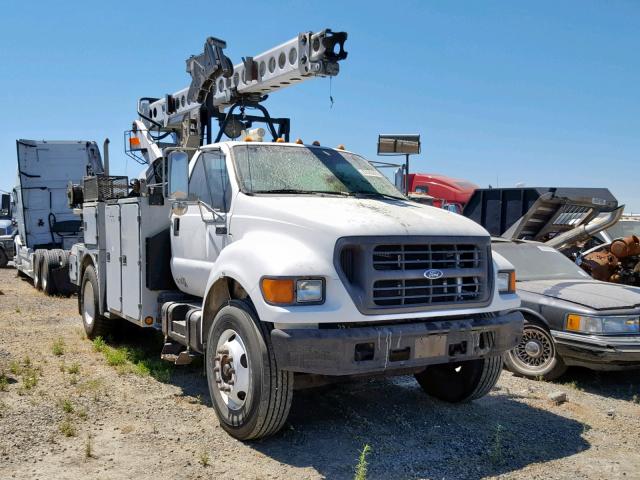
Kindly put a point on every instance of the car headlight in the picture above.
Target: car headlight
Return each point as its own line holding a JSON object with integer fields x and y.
{"x": 292, "y": 290}
{"x": 603, "y": 325}
{"x": 507, "y": 281}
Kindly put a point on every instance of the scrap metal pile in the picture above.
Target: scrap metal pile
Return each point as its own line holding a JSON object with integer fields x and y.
{"x": 617, "y": 262}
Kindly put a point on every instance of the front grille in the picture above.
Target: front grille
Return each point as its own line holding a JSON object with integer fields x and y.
{"x": 415, "y": 273}
{"x": 426, "y": 292}
{"x": 424, "y": 257}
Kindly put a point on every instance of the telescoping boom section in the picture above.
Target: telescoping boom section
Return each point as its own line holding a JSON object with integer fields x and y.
{"x": 217, "y": 85}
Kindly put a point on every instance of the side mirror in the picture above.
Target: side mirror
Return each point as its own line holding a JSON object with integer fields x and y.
{"x": 178, "y": 178}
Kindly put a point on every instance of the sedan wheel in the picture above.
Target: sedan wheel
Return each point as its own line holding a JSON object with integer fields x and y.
{"x": 535, "y": 356}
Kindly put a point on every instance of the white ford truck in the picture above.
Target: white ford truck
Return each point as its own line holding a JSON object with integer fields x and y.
{"x": 284, "y": 263}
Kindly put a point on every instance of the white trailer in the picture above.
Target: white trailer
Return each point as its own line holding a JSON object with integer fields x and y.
{"x": 284, "y": 263}
{"x": 47, "y": 225}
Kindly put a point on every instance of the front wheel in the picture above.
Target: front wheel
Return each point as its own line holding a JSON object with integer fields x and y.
{"x": 250, "y": 394}
{"x": 461, "y": 381}
{"x": 536, "y": 355}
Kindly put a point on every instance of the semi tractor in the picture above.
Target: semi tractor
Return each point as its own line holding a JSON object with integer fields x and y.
{"x": 47, "y": 226}
{"x": 282, "y": 263}
{"x": 434, "y": 189}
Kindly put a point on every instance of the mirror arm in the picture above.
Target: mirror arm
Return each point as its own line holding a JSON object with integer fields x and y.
{"x": 217, "y": 216}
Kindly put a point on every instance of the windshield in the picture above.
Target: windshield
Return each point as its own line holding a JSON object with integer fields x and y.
{"x": 624, "y": 228}
{"x": 289, "y": 169}
{"x": 539, "y": 262}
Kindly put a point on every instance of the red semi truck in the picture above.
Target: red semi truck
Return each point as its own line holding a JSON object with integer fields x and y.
{"x": 440, "y": 190}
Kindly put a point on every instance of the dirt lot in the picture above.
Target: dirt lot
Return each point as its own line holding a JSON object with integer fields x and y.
{"x": 70, "y": 408}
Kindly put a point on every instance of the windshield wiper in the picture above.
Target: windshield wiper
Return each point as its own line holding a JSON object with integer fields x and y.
{"x": 378, "y": 194}
{"x": 304, "y": 192}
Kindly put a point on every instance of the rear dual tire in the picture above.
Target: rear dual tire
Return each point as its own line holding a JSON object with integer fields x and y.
{"x": 50, "y": 261}
{"x": 95, "y": 324}
{"x": 51, "y": 272}
{"x": 37, "y": 269}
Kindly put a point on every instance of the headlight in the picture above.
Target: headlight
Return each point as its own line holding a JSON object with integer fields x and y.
{"x": 603, "y": 325}
{"x": 309, "y": 290}
{"x": 507, "y": 281}
{"x": 292, "y": 291}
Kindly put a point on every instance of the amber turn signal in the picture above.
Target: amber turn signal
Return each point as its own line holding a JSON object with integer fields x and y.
{"x": 279, "y": 291}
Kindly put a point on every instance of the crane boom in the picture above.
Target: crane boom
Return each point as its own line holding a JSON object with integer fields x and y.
{"x": 302, "y": 58}
{"x": 217, "y": 88}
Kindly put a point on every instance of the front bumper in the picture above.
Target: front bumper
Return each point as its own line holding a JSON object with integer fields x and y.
{"x": 377, "y": 349}
{"x": 598, "y": 352}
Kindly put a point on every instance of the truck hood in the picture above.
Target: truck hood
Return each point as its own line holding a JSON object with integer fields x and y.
{"x": 354, "y": 216}
{"x": 588, "y": 293}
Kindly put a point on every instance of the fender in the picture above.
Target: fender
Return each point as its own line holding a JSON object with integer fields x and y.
{"x": 267, "y": 253}
{"x": 527, "y": 312}
{"x": 90, "y": 258}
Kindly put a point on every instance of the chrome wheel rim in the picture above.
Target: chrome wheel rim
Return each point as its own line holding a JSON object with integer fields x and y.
{"x": 535, "y": 351}
{"x": 232, "y": 370}
{"x": 88, "y": 307}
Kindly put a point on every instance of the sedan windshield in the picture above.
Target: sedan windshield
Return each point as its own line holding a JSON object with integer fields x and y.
{"x": 304, "y": 170}
{"x": 624, "y": 228}
{"x": 534, "y": 261}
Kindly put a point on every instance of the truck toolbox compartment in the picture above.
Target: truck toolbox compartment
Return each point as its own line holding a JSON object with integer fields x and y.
{"x": 349, "y": 351}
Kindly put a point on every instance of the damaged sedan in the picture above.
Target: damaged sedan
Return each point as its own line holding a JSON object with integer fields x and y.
{"x": 571, "y": 319}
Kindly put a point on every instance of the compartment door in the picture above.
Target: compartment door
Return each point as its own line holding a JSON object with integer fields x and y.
{"x": 90, "y": 218}
{"x": 130, "y": 235}
{"x": 114, "y": 274}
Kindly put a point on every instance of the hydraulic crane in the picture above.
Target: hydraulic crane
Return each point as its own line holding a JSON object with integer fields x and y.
{"x": 218, "y": 89}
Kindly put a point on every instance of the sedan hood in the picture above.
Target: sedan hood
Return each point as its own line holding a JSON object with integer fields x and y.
{"x": 589, "y": 293}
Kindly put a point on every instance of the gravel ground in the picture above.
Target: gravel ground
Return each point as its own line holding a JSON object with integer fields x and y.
{"x": 66, "y": 413}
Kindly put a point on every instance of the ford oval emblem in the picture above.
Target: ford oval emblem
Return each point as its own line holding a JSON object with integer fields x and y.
{"x": 433, "y": 274}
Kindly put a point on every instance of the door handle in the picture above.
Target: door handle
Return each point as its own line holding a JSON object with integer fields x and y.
{"x": 176, "y": 227}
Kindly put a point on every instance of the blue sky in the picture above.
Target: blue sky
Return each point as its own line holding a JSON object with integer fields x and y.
{"x": 544, "y": 93}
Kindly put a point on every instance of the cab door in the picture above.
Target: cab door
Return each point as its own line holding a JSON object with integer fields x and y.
{"x": 200, "y": 233}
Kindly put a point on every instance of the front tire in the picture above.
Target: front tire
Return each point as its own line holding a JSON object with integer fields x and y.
{"x": 250, "y": 394}
{"x": 536, "y": 355}
{"x": 95, "y": 324}
{"x": 461, "y": 381}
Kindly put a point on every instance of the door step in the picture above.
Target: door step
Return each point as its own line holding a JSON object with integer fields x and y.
{"x": 176, "y": 354}
{"x": 182, "y": 324}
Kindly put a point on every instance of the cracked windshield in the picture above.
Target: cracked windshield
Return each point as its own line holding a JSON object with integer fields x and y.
{"x": 297, "y": 170}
